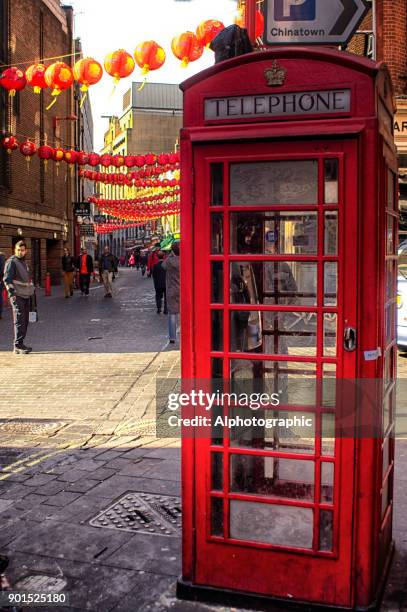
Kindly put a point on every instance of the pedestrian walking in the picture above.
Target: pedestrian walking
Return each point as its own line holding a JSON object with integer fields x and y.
{"x": 68, "y": 269}
{"x": 171, "y": 266}
{"x": 107, "y": 267}
{"x": 143, "y": 262}
{"x": 152, "y": 260}
{"x": 2, "y": 264}
{"x": 132, "y": 261}
{"x": 85, "y": 267}
{"x": 159, "y": 275}
{"x": 20, "y": 289}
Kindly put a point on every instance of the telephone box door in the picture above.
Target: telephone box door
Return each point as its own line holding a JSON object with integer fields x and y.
{"x": 275, "y": 268}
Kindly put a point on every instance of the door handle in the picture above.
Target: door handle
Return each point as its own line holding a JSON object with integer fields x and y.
{"x": 349, "y": 339}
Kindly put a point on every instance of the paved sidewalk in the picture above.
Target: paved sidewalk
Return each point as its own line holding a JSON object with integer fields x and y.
{"x": 76, "y": 426}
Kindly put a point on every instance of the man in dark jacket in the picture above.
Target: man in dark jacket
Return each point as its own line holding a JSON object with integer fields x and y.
{"x": 2, "y": 264}
{"x": 85, "y": 267}
{"x": 107, "y": 267}
{"x": 20, "y": 289}
{"x": 159, "y": 275}
{"x": 68, "y": 269}
{"x": 171, "y": 266}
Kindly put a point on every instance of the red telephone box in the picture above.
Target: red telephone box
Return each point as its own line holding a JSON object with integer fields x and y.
{"x": 289, "y": 230}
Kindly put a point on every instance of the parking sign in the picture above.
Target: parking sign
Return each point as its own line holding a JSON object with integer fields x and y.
{"x": 295, "y": 10}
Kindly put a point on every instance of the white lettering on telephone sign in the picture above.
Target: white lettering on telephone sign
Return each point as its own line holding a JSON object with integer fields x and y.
{"x": 324, "y": 22}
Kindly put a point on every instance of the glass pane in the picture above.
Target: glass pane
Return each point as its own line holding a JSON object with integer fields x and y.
{"x": 329, "y": 385}
{"x": 274, "y": 182}
{"x": 217, "y": 429}
{"x": 390, "y": 235}
{"x": 389, "y": 322}
{"x": 328, "y": 434}
{"x": 273, "y": 282}
{"x": 217, "y": 516}
{"x": 217, "y": 282}
{"x": 330, "y": 283}
{"x": 217, "y": 472}
{"x": 274, "y": 233}
{"x": 294, "y": 382}
{"x": 217, "y": 369}
{"x": 331, "y": 181}
{"x": 217, "y": 330}
{"x": 390, "y": 189}
{"x": 390, "y": 280}
{"x": 273, "y": 333}
{"x": 217, "y": 184}
{"x": 327, "y": 482}
{"x": 271, "y": 523}
{"x": 385, "y": 498}
{"x": 216, "y": 234}
{"x": 331, "y": 233}
{"x": 272, "y": 476}
{"x": 330, "y": 339}
{"x": 326, "y": 524}
{"x": 293, "y": 439}
{"x": 386, "y": 456}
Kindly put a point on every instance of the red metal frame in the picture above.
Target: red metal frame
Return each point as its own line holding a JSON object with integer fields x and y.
{"x": 348, "y": 575}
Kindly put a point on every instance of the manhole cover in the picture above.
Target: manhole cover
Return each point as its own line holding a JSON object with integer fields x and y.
{"x": 30, "y": 426}
{"x": 41, "y": 583}
{"x": 142, "y": 513}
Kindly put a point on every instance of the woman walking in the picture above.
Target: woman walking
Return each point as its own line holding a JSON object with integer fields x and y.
{"x": 171, "y": 266}
{"x": 68, "y": 269}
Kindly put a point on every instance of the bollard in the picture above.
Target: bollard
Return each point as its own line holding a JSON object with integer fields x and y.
{"x": 47, "y": 284}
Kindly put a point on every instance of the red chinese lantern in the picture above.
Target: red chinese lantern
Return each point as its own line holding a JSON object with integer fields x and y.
{"x": 130, "y": 161}
{"x": 208, "y": 30}
{"x": 13, "y": 79}
{"x": 58, "y": 77}
{"x": 118, "y": 161}
{"x": 88, "y": 72}
{"x": 140, "y": 161}
{"x": 93, "y": 159}
{"x": 35, "y": 76}
{"x": 149, "y": 56}
{"x": 106, "y": 160}
{"x": 10, "y": 143}
{"x": 119, "y": 64}
{"x": 82, "y": 158}
{"x": 58, "y": 155}
{"x": 241, "y": 21}
{"x": 151, "y": 159}
{"x": 70, "y": 156}
{"x": 28, "y": 149}
{"x": 46, "y": 153}
{"x": 187, "y": 48}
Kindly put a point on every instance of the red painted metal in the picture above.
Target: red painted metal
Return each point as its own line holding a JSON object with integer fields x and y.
{"x": 348, "y": 575}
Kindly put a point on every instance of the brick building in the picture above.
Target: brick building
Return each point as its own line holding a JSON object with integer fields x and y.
{"x": 35, "y": 199}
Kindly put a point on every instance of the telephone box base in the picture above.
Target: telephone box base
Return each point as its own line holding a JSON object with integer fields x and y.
{"x": 239, "y": 599}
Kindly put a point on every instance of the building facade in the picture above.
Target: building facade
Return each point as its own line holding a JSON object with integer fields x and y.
{"x": 150, "y": 123}
{"x": 35, "y": 197}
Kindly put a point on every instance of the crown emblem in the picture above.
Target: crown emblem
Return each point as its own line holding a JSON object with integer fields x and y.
{"x": 275, "y": 75}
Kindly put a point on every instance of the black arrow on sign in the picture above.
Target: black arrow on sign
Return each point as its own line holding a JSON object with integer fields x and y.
{"x": 350, "y": 8}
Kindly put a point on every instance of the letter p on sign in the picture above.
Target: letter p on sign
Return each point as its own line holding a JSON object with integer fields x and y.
{"x": 294, "y": 10}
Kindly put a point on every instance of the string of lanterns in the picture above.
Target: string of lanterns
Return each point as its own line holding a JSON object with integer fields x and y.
{"x": 163, "y": 162}
{"x": 148, "y": 56}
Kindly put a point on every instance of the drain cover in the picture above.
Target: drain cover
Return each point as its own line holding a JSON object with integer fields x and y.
{"x": 142, "y": 513}
{"x": 41, "y": 583}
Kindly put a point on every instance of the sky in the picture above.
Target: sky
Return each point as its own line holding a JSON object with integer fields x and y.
{"x": 106, "y": 25}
